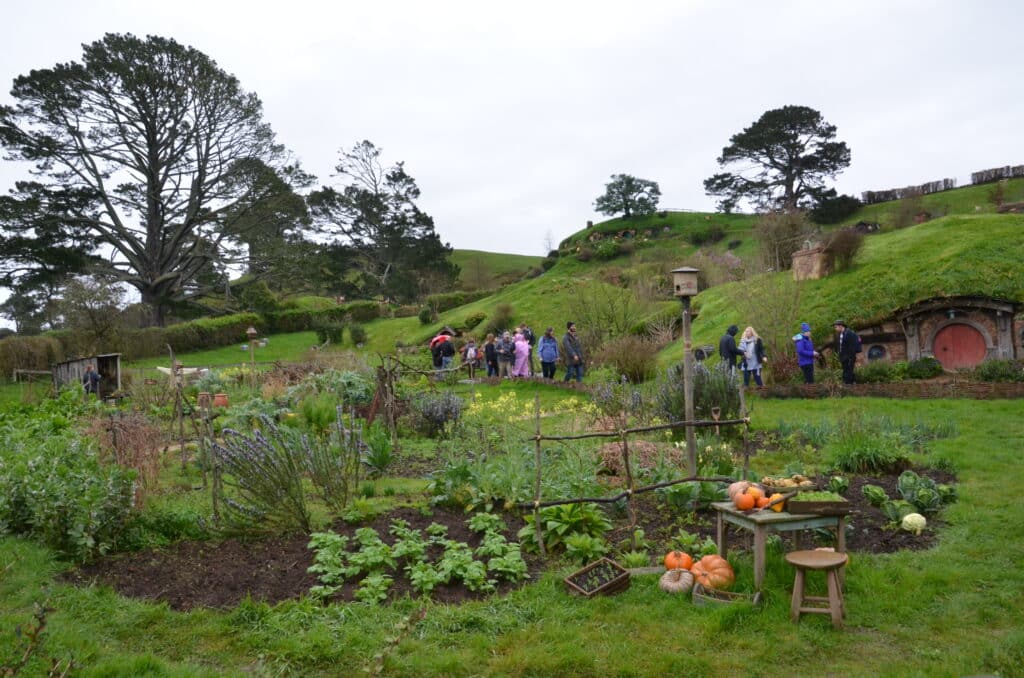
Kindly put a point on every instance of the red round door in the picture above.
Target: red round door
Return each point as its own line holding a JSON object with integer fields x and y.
{"x": 959, "y": 346}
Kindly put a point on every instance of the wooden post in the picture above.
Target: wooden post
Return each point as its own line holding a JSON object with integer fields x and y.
{"x": 629, "y": 489}
{"x": 538, "y": 526}
{"x": 691, "y": 437}
{"x": 746, "y": 430}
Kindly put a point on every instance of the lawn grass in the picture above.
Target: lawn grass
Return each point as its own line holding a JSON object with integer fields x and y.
{"x": 951, "y": 610}
{"x": 285, "y": 347}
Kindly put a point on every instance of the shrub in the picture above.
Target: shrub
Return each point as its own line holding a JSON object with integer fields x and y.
{"x": 257, "y": 297}
{"x": 562, "y": 521}
{"x": 426, "y": 315}
{"x": 607, "y": 249}
{"x": 473, "y": 319}
{"x": 332, "y": 333}
{"x": 1000, "y": 370}
{"x": 779, "y": 235}
{"x": 843, "y": 247}
{"x": 632, "y": 357}
{"x": 875, "y": 372}
{"x": 503, "y": 318}
{"x": 585, "y": 254}
{"x": 360, "y": 311}
{"x": 548, "y": 263}
{"x": 433, "y": 411}
{"x": 357, "y": 333}
{"x": 733, "y": 244}
{"x": 709, "y": 235}
{"x": 924, "y": 368}
{"x": 28, "y": 353}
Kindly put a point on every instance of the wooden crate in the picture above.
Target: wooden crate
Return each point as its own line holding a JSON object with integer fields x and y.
{"x": 710, "y": 597}
{"x": 818, "y": 508}
{"x": 577, "y": 582}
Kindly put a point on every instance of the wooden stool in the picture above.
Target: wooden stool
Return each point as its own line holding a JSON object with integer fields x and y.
{"x": 831, "y": 563}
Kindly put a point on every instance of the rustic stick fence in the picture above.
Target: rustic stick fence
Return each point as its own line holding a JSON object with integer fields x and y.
{"x": 631, "y": 490}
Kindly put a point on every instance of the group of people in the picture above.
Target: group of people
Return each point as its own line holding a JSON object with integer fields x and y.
{"x": 751, "y": 355}
{"x": 514, "y": 353}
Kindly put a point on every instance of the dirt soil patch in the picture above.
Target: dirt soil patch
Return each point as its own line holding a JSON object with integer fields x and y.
{"x": 220, "y": 574}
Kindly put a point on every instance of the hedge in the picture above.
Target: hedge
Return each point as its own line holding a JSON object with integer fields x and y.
{"x": 28, "y": 353}
{"x": 449, "y": 300}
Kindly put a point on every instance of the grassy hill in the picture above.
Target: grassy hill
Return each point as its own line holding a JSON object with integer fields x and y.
{"x": 965, "y": 253}
{"x": 483, "y": 270}
{"x": 965, "y": 200}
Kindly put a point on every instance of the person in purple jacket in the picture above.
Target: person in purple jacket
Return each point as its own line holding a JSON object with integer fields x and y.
{"x": 805, "y": 353}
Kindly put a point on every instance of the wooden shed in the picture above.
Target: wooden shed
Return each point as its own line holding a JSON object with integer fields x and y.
{"x": 108, "y": 365}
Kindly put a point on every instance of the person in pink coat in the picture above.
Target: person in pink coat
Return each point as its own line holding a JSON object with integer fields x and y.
{"x": 522, "y": 365}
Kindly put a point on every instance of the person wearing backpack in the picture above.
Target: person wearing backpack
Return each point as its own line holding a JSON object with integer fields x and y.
{"x": 847, "y": 348}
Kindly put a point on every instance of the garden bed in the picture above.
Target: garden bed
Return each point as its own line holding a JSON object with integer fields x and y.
{"x": 221, "y": 574}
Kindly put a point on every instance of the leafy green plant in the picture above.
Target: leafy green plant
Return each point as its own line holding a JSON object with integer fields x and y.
{"x": 493, "y": 544}
{"x": 583, "y": 548}
{"x": 947, "y": 493}
{"x": 896, "y": 510}
{"x": 838, "y": 484}
{"x": 875, "y": 495}
{"x": 486, "y": 522}
{"x": 633, "y": 559}
{"x": 859, "y": 447}
{"x": 373, "y": 588}
{"x": 509, "y": 566}
{"x": 424, "y": 577}
{"x": 558, "y": 522}
{"x": 1000, "y": 371}
{"x": 329, "y": 562}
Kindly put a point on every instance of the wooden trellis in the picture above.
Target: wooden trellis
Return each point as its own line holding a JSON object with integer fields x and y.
{"x": 623, "y": 435}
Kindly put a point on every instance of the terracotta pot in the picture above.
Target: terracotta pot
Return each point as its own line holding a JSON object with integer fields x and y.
{"x": 220, "y": 399}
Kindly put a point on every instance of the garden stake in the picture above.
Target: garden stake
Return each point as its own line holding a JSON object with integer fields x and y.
{"x": 536, "y": 481}
{"x": 629, "y": 490}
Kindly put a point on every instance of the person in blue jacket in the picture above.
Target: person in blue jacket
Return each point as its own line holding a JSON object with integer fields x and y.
{"x": 547, "y": 349}
{"x": 805, "y": 353}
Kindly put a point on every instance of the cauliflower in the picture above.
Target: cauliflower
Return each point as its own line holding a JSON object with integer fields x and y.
{"x": 913, "y": 522}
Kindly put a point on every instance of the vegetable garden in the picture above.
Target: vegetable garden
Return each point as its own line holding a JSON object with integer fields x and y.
{"x": 290, "y": 535}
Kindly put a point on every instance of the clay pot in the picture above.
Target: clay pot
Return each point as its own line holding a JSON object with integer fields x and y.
{"x": 220, "y": 399}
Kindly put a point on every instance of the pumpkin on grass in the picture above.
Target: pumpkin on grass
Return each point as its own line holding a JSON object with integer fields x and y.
{"x": 676, "y": 581}
{"x": 677, "y": 560}
{"x": 713, "y": 572}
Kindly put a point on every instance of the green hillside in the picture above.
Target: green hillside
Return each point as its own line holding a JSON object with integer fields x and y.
{"x": 966, "y": 200}
{"x": 483, "y": 270}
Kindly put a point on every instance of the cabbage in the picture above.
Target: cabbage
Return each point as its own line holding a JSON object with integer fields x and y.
{"x": 913, "y": 522}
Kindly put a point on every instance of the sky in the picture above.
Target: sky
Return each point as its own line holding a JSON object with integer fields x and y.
{"x": 512, "y": 117}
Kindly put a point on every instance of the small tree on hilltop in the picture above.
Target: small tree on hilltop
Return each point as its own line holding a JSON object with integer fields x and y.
{"x": 629, "y": 196}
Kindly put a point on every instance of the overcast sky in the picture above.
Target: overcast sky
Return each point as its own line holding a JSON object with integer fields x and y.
{"x": 512, "y": 116}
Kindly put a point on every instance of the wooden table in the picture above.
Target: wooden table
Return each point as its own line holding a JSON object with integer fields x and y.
{"x": 761, "y": 522}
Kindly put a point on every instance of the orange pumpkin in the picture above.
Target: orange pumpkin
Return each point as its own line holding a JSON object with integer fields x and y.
{"x": 745, "y": 502}
{"x": 677, "y": 560}
{"x": 713, "y": 572}
{"x": 755, "y": 492}
{"x": 762, "y": 502}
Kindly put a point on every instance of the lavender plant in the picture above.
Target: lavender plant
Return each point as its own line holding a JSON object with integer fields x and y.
{"x": 265, "y": 470}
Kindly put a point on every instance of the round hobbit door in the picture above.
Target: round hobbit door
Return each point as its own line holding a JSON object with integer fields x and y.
{"x": 959, "y": 346}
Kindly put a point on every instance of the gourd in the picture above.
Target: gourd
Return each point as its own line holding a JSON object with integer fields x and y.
{"x": 678, "y": 560}
{"x": 744, "y": 502}
{"x": 777, "y": 507}
{"x": 738, "y": 488}
{"x": 713, "y": 572}
{"x": 676, "y": 581}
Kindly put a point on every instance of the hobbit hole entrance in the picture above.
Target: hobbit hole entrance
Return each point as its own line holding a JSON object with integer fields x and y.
{"x": 959, "y": 345}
